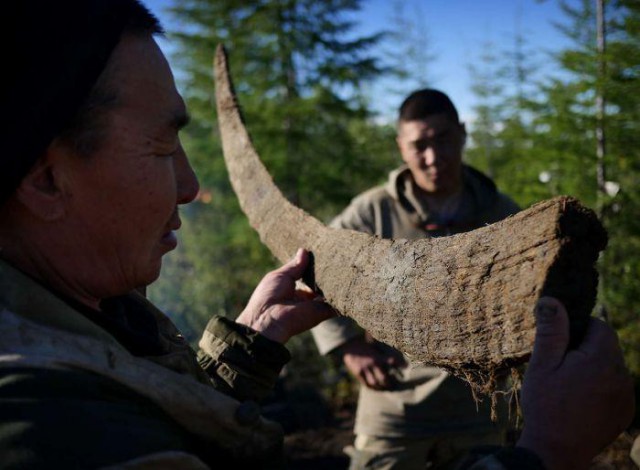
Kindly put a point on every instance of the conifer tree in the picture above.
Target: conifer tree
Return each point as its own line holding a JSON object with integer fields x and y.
{"x": 298, "y": 69}
{"x": 553, "y": 150}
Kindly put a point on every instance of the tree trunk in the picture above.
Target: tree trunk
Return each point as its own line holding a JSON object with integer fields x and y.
{"x": 463, "y": 302}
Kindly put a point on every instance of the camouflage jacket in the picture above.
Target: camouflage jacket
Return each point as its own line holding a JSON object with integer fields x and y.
{"x": 71, "y": 396}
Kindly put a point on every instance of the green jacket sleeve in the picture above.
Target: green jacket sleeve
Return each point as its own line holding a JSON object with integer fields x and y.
{"x": 240, "y": 361}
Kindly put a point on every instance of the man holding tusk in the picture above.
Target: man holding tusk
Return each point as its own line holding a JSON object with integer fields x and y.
{"x": 92, "y": 375}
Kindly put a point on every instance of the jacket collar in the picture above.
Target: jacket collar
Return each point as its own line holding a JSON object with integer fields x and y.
{"x": 23, "y": 295}
{"x": 481, "y": 188}
{"x": 478, "y": 196}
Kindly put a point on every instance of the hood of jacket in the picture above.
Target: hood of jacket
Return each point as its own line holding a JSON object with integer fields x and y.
{"x": 477, "y": 184}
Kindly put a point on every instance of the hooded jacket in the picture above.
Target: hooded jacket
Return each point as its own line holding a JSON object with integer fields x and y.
{"x": 427, "y": 401}
{"x": 73, "y": 396}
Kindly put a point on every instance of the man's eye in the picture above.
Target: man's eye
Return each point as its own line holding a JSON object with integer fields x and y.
{"x": 421, "y": 145}
{"x": 168, "y": 151}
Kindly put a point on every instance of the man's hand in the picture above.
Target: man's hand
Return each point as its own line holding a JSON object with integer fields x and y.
{"x": 574, "y": 402}
{"x": 372, "y": 366}
{"x": 278, "y": 310}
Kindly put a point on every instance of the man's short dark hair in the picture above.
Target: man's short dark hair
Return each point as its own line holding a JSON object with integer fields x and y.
{"x": 421, "y": 104}
{"x": 55, "y": 53}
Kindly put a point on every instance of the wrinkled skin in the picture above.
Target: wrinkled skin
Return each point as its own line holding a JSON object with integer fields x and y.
{"x": 278, "y": 310}
{"x": 96, "y": 226}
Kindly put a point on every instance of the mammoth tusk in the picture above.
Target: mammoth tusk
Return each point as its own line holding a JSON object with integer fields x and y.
{"x": 463, "y": 302}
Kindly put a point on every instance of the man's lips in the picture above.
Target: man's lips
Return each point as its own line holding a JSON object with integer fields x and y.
{"x": 437, "y": 175}
{"x": 433, "y": 175}
{"x": 169, "y": 238}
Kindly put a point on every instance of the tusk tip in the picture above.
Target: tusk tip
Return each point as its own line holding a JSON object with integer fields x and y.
{"x": 220, "y": 60}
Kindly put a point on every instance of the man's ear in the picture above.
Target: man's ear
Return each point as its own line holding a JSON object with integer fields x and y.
{"x": 40, "y": 190}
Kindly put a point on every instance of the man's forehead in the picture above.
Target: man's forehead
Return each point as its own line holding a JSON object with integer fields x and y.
{"x": 145, "y": 85}
{"x": 159, "y": 112}
{"x": 430, "y": 126}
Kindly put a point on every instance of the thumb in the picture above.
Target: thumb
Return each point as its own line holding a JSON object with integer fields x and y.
{"x": 552, "y": 334}
{"x": 396, "y": 360}
{"x": 294, "y": 268}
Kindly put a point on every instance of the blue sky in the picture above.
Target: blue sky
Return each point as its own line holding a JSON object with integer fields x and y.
{"x": 457, "y": 32}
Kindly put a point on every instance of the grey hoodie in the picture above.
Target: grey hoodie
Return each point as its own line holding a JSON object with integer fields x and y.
{"x": 428, "y": 401}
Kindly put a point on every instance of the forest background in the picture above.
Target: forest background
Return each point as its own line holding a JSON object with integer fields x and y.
{"x": 308, "y": 86}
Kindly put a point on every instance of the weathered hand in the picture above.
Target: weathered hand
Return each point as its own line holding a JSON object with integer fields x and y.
{"x": 371, "y": 366}
{"x": 278, "y": 310}
{"x": 574, "y": 402}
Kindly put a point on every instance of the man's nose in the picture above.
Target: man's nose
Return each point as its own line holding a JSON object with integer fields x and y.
{"x": 187, "y": 185}
{"x": 430, "y": 155}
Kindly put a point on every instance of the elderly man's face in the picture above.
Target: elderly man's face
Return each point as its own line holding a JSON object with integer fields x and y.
{"x": 123, "y": 199}
{"x": 432, "y": 149}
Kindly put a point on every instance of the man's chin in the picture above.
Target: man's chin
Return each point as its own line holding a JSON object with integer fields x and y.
{"x": 429, "y": 186}
{"x": 440, "y": 187}
{"x": 151, "y": 274}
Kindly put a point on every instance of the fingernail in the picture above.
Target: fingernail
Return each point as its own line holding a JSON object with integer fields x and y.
{"x": 546, "y": 311}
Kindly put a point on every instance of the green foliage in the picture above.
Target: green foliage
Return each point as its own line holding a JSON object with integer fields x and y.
{"x": 297, "y": 69}
{"x": 409, "y": 50}
{"x": 543, "y": 143}
{"x": 505, "y": 83}
{"x": 621, "y": 262}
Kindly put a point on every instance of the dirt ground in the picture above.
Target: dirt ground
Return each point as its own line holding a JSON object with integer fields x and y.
{"x": 616, "y": 456}
{"x": 322, "y": 447}
{"x": 317, "y": 430}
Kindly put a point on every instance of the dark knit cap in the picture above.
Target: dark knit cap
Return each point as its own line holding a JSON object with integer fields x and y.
{"x": 53, "y": 52}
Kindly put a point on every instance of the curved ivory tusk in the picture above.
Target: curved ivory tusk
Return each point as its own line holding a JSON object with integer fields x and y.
{"x": 463, "y": 302}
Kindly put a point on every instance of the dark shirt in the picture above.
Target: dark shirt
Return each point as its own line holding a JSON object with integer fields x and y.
{"x": 132, "y": 326}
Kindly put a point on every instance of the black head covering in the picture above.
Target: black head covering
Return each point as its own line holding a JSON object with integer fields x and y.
{"x": 53, "y": 52}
